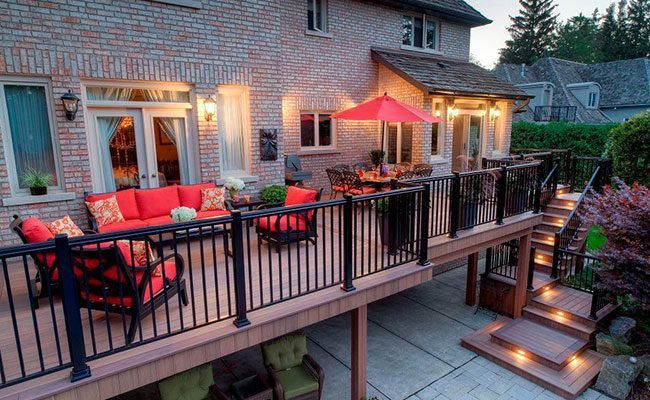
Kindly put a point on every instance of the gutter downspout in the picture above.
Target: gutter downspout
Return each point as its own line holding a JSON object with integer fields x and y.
{"x": 521, "y": 106}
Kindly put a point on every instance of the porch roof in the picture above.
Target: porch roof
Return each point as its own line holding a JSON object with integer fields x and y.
{"x": 445, "y": 76}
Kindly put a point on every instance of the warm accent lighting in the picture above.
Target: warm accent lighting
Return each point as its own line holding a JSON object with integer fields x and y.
{"x": 546, "y": 288}
{"x": 523, "y": 353}
{"x": 495, "y": 112}
{"x": 70, "y": 105}
{"x": 550, "y": 239}
{"x": 452, "y": 112}
{"x": 560, "y": 220}
{"x": 560, "y": 313}
{"x": 210, "y": 107}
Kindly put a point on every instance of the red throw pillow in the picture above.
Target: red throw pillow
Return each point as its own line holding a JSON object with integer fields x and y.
{"x": 296, "y": 195}
{"x": 157, "y": 202}
{"x": 35, "y": 230}
{"x": 125, "y": 200}
{"x": 190, "y": 195}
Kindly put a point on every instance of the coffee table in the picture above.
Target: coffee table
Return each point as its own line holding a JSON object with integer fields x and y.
{"x": 251, "y": 388}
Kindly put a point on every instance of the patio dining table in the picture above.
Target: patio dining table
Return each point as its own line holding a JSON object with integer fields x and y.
{"x": 378, "y": 182}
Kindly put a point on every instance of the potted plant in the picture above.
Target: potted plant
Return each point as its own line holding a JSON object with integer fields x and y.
{"x": 234, "y": 186}
{"x": 37, "y": 181}
{"x": 381, "y": 208}
{"x": 376, "y": 156}
{"x": 183, "y": 214}
{"x": 274, "y": 194}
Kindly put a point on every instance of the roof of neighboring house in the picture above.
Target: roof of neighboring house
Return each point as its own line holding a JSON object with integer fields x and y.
{"x": 440, "y": 75}
{"x": 623, "y": 83}
{"x": 455, "y": 10}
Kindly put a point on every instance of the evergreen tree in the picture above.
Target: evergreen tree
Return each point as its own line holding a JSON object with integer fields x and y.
{"x": 620, "y": 34}
{"x": 638, "y": 28}
{"x": 576, "y": 40}
{"x": 531, "y": 32}
{"x": 606, "y": 35}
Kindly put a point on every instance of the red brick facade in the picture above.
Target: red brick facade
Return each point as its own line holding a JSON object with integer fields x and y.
{"x": 262, "y": 45}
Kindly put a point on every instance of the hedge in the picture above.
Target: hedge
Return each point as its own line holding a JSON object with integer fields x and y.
{"x": 583, "y": 139}
{"x": 629, "y": 147}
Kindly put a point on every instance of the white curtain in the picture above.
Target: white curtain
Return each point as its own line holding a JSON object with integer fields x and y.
{"x": 233, "y": 125}
{"x": 174, "y": 129}
{"x": 109, "y": 93}
{"x": 106, "y": 128}
{"x": 165, "y": 96}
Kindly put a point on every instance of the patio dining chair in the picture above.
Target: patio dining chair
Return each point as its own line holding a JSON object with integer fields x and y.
{"x": 352, "y": 182}
{"x": 336, "y": 183}
{"x": 109, "y": 279}
{"x": 342, "y": 167}
{"x": 423, "y": 170}
{"x": 407, "y": 175}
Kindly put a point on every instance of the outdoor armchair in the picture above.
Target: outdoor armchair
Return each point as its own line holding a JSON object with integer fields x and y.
{"x": 194, "y": 384}
{"x": 295, "y": 374}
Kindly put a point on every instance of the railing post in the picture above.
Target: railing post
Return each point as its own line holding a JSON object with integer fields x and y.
{"x": 537, "y": 199}
{"x": 238, "y": 265}
{"x": 488, "y": 260}
{"x": 595, "y": 297}
{"x": 502, "y": 186}
{"x": 531, "y": 268}
{"x": 424, "y": 226}
{"x": 347, "y": 243}
{"x": 567, "y": 167}
{"x": 455, "y": 205}
{"x": 556, "y": 256}
{"x": 73, "y": 327}
{"x": 393, "y": 211}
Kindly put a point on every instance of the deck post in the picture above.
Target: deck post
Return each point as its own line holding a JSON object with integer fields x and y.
{"x": 393, "y": 211}
{"x": 523, "y": 265}
{"x": 424, "y": 226}
{"x": 455, "y": 205}
{"x": 359, "y": 352}
{"x": 537, "y": 199}
{"x": 238, "y": 266}
{"x": 472, "y": 273}
{"x": 502, "y": 186}
{"x": 531, "y": 269}
{"x": 73, "y": 327}
{"x": 347, "y": 244}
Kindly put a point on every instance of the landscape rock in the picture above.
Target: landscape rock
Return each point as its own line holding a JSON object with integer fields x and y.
{"x": 607, "y": 345}
{"x": 617, "y": 376}
{"x": 645, "y": 359}
{"x": 621, "y": 328}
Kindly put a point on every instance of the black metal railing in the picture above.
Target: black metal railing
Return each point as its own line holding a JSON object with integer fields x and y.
{"x": 555, "y": 113}
{"x": 583, "y": 168}
{"x": 502, "y": 259}
{"x": 548, "y": 187}
{"x": 580, "y": 271}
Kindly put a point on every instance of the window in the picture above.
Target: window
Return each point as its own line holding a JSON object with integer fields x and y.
{"x": 317, "y": 15}
{"x": 234, "y": 129}
{"x": 498, "y": 134}
{"x": 437, "y": 132}
{"x": 27, "y": 121}
{"x": 316, "y": 130}
{"x": 593, "y": 97}
{"x": 107, "y": 93}
{"x": 399, "y": 142}
{"x": 420, "y": 32}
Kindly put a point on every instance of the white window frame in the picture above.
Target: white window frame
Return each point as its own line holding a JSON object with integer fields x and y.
{"x": 398, "y": 146}
{"x": 10, "y": 160}
{"x": 425, "y": 18}
{"x": 499, "y": 124}
{"x": 333, "y": 129}
{"x": 438, "y": 110}
{"x": 244, "y": 90}
{"x": 595, "y": 100}
{"x": 323, "y": 12}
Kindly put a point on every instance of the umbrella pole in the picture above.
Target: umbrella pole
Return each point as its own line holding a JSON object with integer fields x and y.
{"x": 383, "y": 129}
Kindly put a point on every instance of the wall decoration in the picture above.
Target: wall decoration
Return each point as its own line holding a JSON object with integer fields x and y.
{"x": 268, "y": 144}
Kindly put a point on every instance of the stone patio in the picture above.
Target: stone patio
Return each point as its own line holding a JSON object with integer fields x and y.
{"x": 414, "y": 351}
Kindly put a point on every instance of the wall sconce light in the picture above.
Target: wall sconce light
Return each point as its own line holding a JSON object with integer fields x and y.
{"x": 495, "y": 112}
{"x": 452, "y": 112}
{"x": 437, "y": 111}
{"x": 70, "y": 105}
{"x": 210, "y": 108}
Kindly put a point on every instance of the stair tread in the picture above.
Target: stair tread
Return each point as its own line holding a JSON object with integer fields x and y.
{"x": 569, "y": 382}
{"x": 561, "y": 320}
{"x": 541, "y": 279}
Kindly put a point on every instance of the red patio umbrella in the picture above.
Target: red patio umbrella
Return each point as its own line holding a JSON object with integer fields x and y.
{"x": 386, "y": 109}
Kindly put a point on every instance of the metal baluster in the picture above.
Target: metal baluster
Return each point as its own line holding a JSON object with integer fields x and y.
{"x": 347, "y": 244}
{"x": 240, "y": 278}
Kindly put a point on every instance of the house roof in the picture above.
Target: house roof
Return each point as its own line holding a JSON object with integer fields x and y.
{"x": 623, "y": 83}
{"x": 440, "y": 75}
{"x": 455, "y": 10}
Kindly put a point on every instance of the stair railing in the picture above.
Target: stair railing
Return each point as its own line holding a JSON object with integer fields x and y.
{"x": 548, "y": 188}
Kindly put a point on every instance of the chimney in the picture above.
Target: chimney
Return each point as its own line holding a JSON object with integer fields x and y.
{"x": 522, "y": 70}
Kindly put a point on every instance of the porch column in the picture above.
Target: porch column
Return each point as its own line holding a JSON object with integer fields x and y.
{"x": 359, "y": 352}
{"x": 523, "y": 263}
{"x": 472, "y": 272}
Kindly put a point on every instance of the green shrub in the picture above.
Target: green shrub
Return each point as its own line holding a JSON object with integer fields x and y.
{"x": 595, "y": 239}
{"x": 583, "y": 139}
{"x": 273, "y": 194}
{"x": 629, "y": 147}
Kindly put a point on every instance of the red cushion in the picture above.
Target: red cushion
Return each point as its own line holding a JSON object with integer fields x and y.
{"x": 211, "y": 214}
{"x": 292, "y": 221}
{"x": 296, "y": 195}
{"x": 35, "y": 230}
{"x": 125, "y": 200}
{"x": 162, "y": 220}
{"x": 122, "y": 226}
{"x": 190, "y": 195}
{"x": 157, "y": 202}
{"x": 363, "y": 190}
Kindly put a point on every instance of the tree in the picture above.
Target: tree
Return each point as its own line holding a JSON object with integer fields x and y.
{"x": 606, "y": 34}
{"x": 576, "y": 40}
{"x": 638, "y": 28}
{"x": 629, "y": 147}
{"x": 531, "y": 32}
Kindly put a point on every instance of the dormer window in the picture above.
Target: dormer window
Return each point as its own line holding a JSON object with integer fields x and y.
{"x": 420, "y": 32}
{"x": 317, "y": 15}
{"x": 593, "y": 100}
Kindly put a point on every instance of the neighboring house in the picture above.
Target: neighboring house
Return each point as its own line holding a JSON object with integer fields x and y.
{"x": 588, "y": 93}
{"x": 144, "y": 71}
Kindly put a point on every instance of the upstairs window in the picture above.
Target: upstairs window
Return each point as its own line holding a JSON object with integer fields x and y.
{"x": 593, "y": 100}
{"x": 317, "y": 15}
{"x": 420, "y": 32}
{"x": 316, "y": 130}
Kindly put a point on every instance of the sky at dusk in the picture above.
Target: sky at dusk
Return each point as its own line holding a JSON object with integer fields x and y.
{"x": 487, "y": 40}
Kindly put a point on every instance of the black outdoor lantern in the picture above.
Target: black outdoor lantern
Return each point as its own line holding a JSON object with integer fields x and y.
{"x": 70, "y": 105}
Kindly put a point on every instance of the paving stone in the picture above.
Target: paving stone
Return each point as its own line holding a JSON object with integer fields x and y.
{"x": 591, "y": 394}
{"x": 483, "y": 393}
{"x": 428, "y": 393}
{"x": 548, "y": 395}
{"x": 519, "y": 392}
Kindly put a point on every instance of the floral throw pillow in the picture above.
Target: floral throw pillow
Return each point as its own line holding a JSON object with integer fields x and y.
{"x": 136, "y": 252}
{"x": 105, "y": 211}
{"x": 64, "y": 226}
{"x": 213, "y": 199}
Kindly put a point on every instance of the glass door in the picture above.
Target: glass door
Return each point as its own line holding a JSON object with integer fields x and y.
{"x": 399, "y": 142}
{"x": 122, "y": 149}
{"x": 474, "y": 136}
{"x": 167, "y": 149}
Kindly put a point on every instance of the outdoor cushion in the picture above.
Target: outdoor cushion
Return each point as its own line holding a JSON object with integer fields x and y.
{"x": 296, "y": 382}
{"x": 105, "y": 211}
{"x": 296, "y": 195}
{"x": 213, "y": 199}
{"x": 211, "y": 214}
{"x": 157, "y": 202}
{"x": 295, "y": 222}
{"x": 125, "y": 199}
{"x": 192, "y": 384}
{"x": 36, "y": 231}
{"x": 162, "y": 220}
{"x": 136, "y": 252}
{"x": 64, "y": 226}
{"x": 190, "y": 195}
{"x": 285, "y": 352}
{"x": 121, "y": 226}
{"x": 363, "y": 190}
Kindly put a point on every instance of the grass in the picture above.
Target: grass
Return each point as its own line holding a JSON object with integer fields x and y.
{"x": 595, "y": 239}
